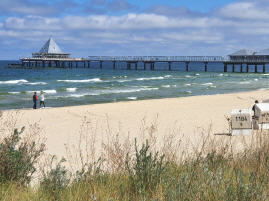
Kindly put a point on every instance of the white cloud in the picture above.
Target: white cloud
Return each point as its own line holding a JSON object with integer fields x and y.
{"x": 246, "y": 10}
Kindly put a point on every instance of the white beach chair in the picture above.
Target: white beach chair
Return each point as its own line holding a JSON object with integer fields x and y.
{"x": 241, "y": 122}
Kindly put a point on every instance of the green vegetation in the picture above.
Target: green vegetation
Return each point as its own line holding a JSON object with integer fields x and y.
{"x": 146, "y": 175}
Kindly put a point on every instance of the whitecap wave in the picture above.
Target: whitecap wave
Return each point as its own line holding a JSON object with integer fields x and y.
{"x": 81, "y": 81}
{"x": 14, "y": 92}
{"x": 132, "y": 98}
{"x": 71, "y": 89}
{"x": 245, "y": 82}
{"x": 13, "y": 81}
{"x": 48, "y": 91}
{"x": 167, "y": 76}
{"x": 166, "y": 86}
{"x": 150, "y": 78}
{"x": 187, "y": 85}
{"x": 188, "y": 92}
{"x": 36, "y": 83}
{"x": 197, "y": 74}
{"x": 207, "y": 84}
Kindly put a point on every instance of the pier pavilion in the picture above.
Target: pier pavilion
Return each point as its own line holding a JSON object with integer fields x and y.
{"x": 51, "y": 55}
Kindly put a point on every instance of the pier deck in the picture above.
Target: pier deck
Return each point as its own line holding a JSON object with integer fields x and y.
{"x": 146, "y": 60}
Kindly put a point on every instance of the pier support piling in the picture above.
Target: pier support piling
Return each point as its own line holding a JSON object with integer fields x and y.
{"x": 169, "y": 65}
{"x": 205, "y": 66}
{"x": 135, "y": 65}
{"x": 187, "y": 66}
{"x": 247, "y": 68}
{"x": 241, "y": 68}
{"x": 263, "y": 69}
{"x": 225, "y": 68}
{"x": 233, "y": 68}
{"x": 128, "y": 66}
{"x": 256, "y": 68}
{"x": 101, "y": 64}
{"x": 145, "y": 65}
{"x": 114, "y": 65}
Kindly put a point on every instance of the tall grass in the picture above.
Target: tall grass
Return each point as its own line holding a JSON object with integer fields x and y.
{"x": 132, "y": 170}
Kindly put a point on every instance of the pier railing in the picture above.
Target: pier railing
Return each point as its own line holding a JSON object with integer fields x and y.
{"x": 160, "y": 58}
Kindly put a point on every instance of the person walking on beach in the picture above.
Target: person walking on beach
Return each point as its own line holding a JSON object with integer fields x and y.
{"x": 34, "y": 100}
{"x": 254, "y": 109}
{"x": 42, "y": 99}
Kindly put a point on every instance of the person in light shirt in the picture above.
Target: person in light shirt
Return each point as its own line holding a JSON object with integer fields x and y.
{"x": 42, "y": 99}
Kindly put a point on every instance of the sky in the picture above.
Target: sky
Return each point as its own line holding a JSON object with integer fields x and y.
{"x": 133, "y": 27}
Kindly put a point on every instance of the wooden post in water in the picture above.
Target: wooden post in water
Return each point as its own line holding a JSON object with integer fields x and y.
{"x": 256, "y": 68}
{"x": 114, "y": 65}
{"x": 263, "y": 69}
{"x": 169, "y": 65}
{"x": 187, "y": 66}
{"x": 225, "y": 68}
{"x": 89, "y": 64}
{"x": 145, "y": 65}
{"x": 135, "y": 65}
{"x": 241, "y": 68}
{"x": 205, "y": 66}
{"x": 76, "y": 64}
{"x": 247, "y": 68}
{"x": 101, "y": 64}
{"x": 233, "y": 68}
{"x": 43, "y": 64}
{"x": 128, "y": 66}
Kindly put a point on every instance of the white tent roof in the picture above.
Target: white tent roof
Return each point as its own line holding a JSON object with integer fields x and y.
{"x": 263, "y": 52}
{"x": 243, "y": 52}
{"x": 51, "y": 47}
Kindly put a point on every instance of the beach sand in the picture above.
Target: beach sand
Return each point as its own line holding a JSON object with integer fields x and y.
{"x": 188, "y": 119}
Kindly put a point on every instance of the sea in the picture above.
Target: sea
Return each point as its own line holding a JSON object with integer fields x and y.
{"x": 83, "y": 86}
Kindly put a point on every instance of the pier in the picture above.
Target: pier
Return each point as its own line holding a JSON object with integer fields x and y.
{"x": 147, "y": 62}
{"x": 51, "y": 56}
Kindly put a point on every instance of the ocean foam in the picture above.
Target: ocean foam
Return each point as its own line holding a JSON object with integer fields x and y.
{"x": 166, "y": 86}
{"x": 14, "y": 81}
{"x": 49, "y": 91}
{"x": 207, "y": 84}
{"x": 150, "y": 78}
{"x": 197, "y": 74}
{"x": 36, "y": 83}
{"x": 132, "y": 98}
{"x": 71, "y": 89}
{"x": 14, "y": 92}
{"x": 81, "y": 81}
{"x": 245, "y": 82}
{"x": 187, "y": 85}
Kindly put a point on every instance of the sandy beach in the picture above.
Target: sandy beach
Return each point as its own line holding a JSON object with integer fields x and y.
{"x": 187, "y": 119}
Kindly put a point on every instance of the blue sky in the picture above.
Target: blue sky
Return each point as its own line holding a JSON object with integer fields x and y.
{"x": 133, "y": 27}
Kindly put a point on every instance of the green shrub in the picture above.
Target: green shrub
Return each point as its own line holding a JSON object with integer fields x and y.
{"x": 18, "y": 158}
{"x": 145, "y": 170}
{"x": 55, "y": 180}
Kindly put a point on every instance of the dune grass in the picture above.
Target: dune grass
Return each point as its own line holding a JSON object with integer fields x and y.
{"x": 139, "y": 172}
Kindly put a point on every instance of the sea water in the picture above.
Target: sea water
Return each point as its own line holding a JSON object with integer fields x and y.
{"x": 80, "y": 86}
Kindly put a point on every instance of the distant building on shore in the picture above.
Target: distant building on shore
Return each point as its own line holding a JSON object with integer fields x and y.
{"x": 50, "y": 50}
{"x": 250, "y": 55}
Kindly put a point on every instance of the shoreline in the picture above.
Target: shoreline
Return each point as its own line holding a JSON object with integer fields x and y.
{"x": 127, "y": 101}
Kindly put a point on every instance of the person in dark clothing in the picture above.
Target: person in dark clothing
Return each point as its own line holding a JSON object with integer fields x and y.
{"x": 34, "y": 100}
{"x": 254, "y": 108}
